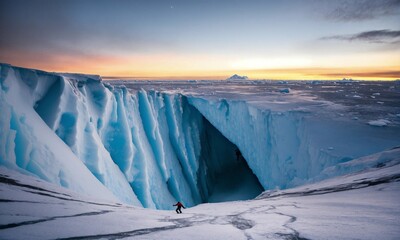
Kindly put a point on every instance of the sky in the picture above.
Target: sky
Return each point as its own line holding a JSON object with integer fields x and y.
{"x": 262, "y": 39}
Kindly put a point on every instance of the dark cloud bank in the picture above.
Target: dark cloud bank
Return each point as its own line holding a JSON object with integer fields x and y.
{"x": 375, "y": 36}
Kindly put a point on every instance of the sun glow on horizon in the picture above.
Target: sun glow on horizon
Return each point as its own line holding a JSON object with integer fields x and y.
{"x": 202, "y": 68}
{"x": 282, "y": 40}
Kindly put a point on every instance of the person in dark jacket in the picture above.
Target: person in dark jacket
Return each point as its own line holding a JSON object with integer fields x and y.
{"x": 179, "y": 205}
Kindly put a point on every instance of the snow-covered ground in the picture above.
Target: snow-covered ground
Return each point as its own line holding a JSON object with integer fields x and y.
{"x": 364, "y": 205}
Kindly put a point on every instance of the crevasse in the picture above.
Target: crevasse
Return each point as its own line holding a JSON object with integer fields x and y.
{"x": 151, "y": 149}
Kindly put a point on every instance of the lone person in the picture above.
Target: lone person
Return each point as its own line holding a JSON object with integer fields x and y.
{"x": 179, "y": 205}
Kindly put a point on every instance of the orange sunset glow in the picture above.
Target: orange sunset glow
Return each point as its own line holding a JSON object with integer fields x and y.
{"x": 179, "y": 43}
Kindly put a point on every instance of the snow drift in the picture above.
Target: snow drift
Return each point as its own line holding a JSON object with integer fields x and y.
{"x": 151, "y": 149}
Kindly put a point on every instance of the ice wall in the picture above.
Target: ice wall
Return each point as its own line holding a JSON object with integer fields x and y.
{"x": 143, "y": 147}
{"x": 151, "y": 149}
{"x": 28, "y": 145}
{"x": 289, "y": 148}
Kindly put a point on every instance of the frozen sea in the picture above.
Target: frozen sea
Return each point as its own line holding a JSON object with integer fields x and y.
{"x": 356, "y": 100}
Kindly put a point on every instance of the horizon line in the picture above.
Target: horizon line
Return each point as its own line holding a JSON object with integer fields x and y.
{"x": 133, "y": 78}
{"x": 278, "y": 74}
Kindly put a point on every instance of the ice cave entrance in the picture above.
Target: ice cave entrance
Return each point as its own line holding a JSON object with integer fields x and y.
{"x": 228, "y": 177}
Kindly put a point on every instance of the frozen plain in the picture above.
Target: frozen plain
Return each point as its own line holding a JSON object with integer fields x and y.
{"x": 152, "y": 143}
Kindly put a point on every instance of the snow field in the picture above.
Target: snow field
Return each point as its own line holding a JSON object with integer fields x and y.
{"x": 368, "y": 208}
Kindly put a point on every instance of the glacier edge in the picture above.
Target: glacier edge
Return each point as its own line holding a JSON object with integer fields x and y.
{"x": 147, "y": 148}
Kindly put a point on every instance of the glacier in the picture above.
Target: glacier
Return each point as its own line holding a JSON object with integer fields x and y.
{"x": 152, "y": 147}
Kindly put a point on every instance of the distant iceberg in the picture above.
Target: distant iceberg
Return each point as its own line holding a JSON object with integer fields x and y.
{"x": 236, "y": 77}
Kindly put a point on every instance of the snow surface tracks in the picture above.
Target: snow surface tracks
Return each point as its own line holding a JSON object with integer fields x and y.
{"x": 363, "y": 206}
{"x": 42, "y": 198}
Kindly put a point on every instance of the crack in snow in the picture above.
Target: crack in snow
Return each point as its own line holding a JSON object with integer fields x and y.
{"x": 13, "y": 225}
{"x": 339, "y": 188}
{"x": 295, "y": 234}
{"x": 6, "y": 180}
{"x": 20, "y": 201}
{"x": 126, "y": 234}
{"x": 41, "y": 191}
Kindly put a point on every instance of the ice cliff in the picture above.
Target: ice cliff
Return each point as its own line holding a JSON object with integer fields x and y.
{"x": 151, "y": 149}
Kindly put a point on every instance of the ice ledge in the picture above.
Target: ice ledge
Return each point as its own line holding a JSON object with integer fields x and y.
{"x": 78, "y": 77}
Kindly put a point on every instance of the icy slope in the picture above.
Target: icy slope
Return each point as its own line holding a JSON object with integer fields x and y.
{"x": 29, "y": 145}
{"x": 361, "y": 205}
{"x": 151, "y": 148}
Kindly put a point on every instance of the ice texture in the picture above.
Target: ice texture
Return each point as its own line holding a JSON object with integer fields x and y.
{"x": 153, "y": 148}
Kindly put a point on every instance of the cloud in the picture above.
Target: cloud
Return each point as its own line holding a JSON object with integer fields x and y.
{"x": 375, "y": 36}
{"x": 359, "y": 10}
